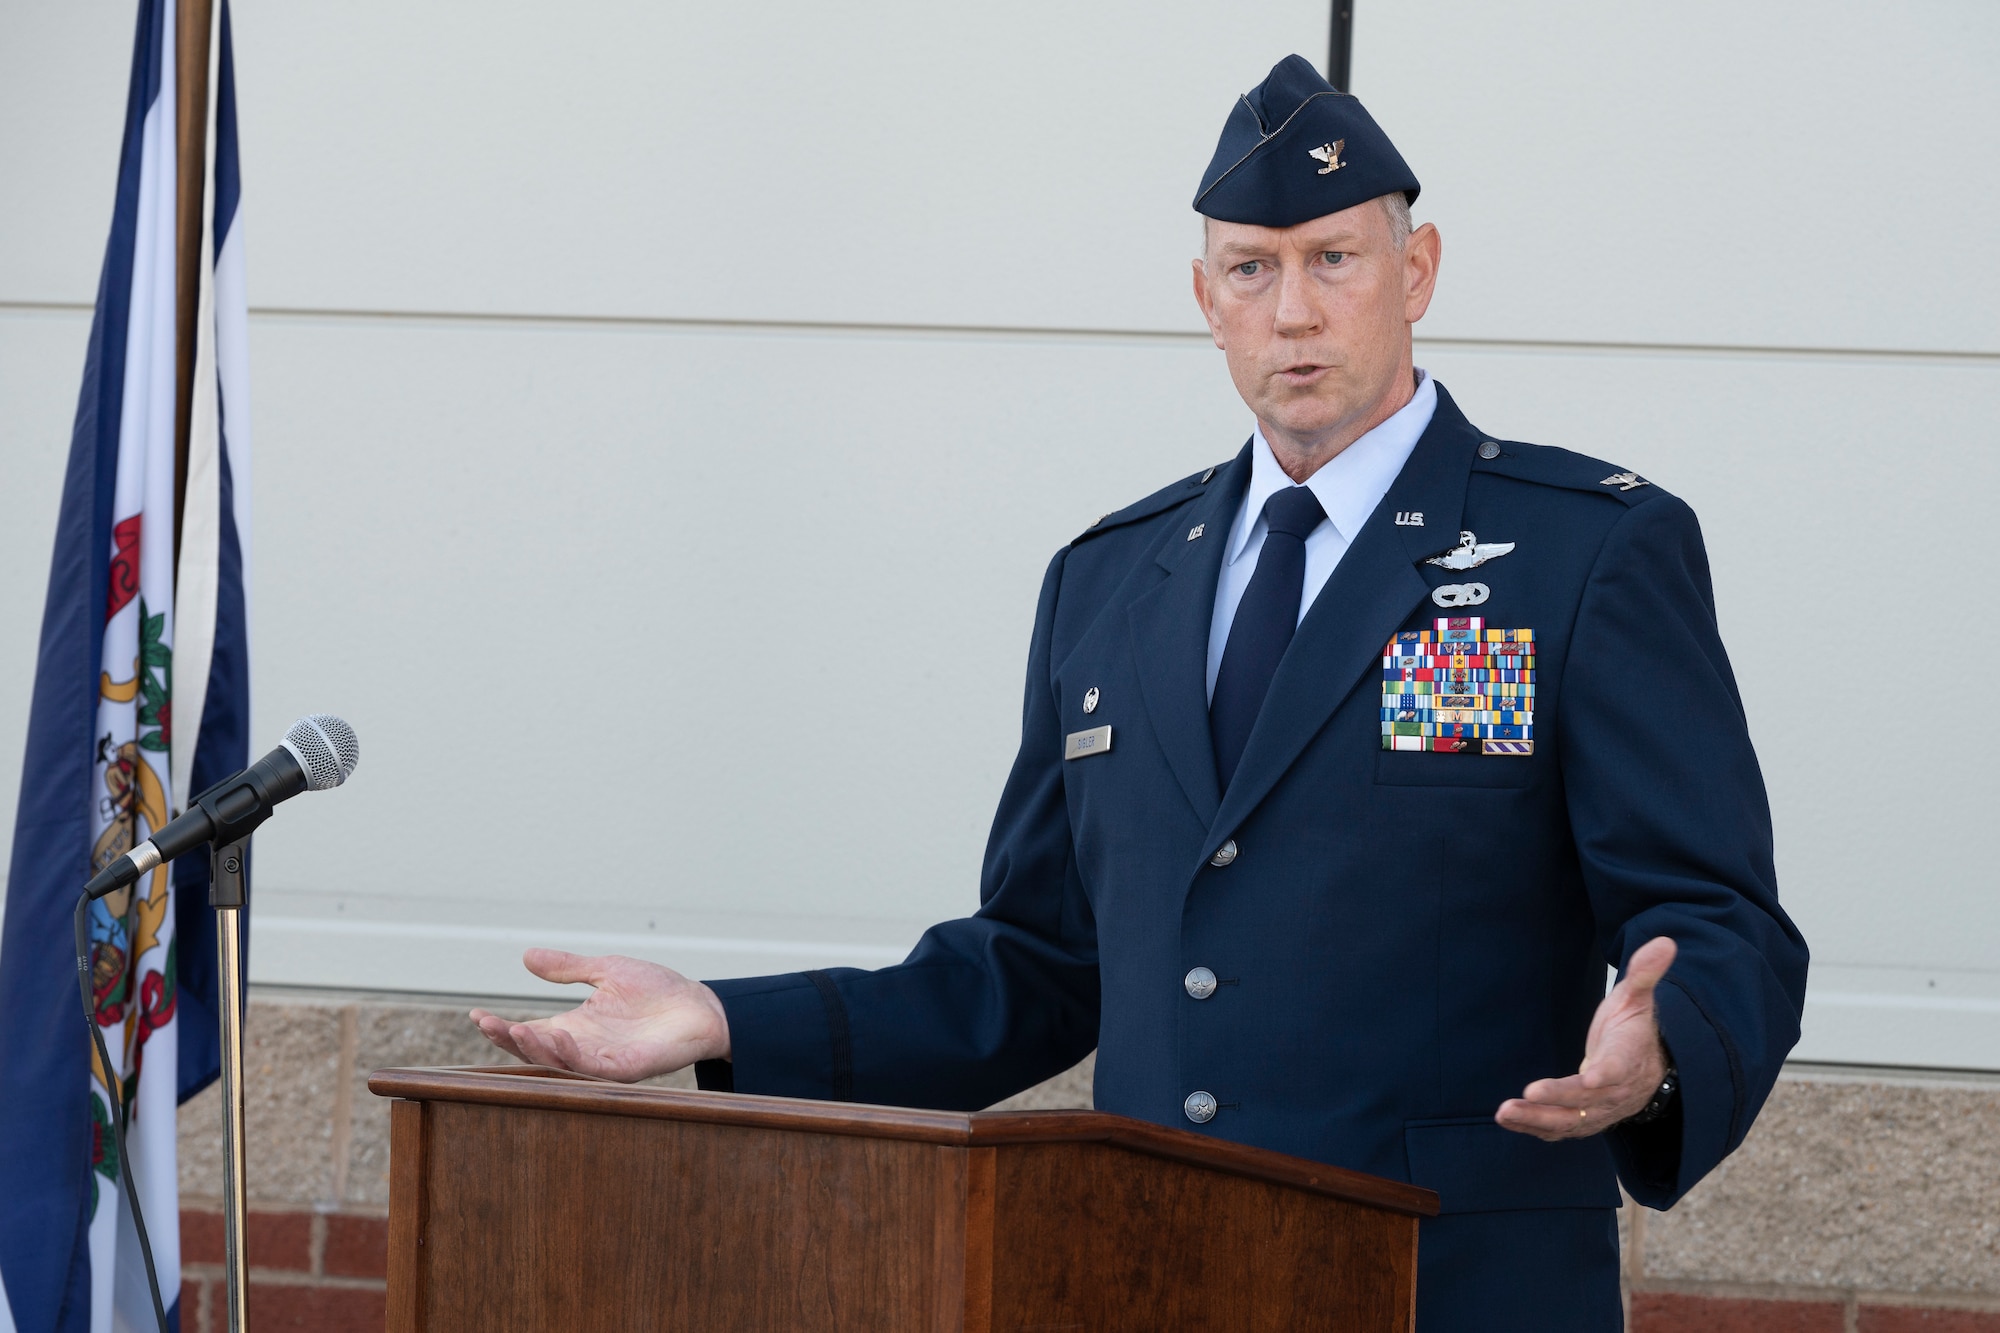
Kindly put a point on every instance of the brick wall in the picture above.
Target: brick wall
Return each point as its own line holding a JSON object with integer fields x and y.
{"x": 1862, "y": 1202}
{"x": 1671, "y": 1312}
{"x": 314, "y": 1271}
{"x": 318, "y": 1169}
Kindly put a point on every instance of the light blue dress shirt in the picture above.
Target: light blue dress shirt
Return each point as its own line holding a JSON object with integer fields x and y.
{"x": 1349, "y": 486}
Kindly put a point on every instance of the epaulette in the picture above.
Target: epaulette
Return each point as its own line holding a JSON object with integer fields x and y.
{"x": 1549, "y": 466}
{"x": 1158, "y": 502}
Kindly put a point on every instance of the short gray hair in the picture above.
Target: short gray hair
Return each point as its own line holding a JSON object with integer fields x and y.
{"x": 1395, "y": 204}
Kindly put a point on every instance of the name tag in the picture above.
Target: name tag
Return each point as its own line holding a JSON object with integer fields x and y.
{"x": 1078, "y": 744}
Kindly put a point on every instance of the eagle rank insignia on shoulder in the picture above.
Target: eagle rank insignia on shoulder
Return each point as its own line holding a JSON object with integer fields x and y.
{"x": 1328, "y": 153}
{"x": 1625, "y": 481}
{"x": 1470, "y": 553}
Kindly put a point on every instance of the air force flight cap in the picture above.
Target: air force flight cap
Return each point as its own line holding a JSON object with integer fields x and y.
{"x": 1295, "y": 149}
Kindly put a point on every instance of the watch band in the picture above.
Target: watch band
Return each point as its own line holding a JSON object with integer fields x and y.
{"x": 1663, "y": 1097}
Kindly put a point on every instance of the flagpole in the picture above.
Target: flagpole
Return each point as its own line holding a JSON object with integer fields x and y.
{"x": 225, "y": 891}
{"x": 191, "y": 66}
{"x": 197, "y": 51}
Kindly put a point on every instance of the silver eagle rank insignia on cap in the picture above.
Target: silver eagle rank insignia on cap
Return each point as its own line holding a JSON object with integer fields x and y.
{"x": 1328, "y": 153}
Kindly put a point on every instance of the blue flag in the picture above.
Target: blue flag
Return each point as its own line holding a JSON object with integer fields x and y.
{"x": 141, "y": 699}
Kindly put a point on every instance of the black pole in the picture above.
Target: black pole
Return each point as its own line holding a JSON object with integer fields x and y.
{"x": 1340, "y": 45}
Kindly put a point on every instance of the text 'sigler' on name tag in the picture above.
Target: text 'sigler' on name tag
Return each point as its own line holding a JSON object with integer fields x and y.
{"x": 1081, "y": 744}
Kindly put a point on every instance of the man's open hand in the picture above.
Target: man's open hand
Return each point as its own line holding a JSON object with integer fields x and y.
{"x": 642, "y": 1020}
{"x": 1623, "y": 1061}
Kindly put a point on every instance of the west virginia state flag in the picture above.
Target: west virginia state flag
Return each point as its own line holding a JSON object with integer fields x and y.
{"x": 141, "y": 698}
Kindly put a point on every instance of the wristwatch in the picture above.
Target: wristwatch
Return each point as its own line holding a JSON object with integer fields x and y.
{"x": 1669, "y": 1088}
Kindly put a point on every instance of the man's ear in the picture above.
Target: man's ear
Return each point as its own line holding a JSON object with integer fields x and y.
{"x": 1201, "y": 298}
{"x": 1422, "y": 253}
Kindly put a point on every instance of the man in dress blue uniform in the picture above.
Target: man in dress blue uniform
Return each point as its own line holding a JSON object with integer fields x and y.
{"x": 1346, "y": 767}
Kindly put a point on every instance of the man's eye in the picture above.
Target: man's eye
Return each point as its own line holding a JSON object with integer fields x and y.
{"x": 1333, "y": 256}
{"x": 1249, "y": 270}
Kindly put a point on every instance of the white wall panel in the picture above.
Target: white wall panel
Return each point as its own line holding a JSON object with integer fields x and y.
{"x": 1781, "y": 174}
{"x": 63, "y": 75}
{"x": 899, "y": 161}
{"x": 707, "y": 633}
{"x": 1789, "y": 173}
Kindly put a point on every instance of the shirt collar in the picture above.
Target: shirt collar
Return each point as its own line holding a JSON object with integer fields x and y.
{"x": 1351, "y": 483}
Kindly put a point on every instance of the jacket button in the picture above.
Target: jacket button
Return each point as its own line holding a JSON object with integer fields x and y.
{"x": 1199, "y": 983}
{"x": 1200, "y": 1107}
{"x": 1224, "y": 854}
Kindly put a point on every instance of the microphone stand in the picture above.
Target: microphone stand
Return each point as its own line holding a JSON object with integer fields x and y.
{"x": 224, "y": 817}
{"x": 227, "y": 872}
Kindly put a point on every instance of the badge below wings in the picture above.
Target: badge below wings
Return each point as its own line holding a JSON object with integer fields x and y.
{"x": 1460, "y": 689}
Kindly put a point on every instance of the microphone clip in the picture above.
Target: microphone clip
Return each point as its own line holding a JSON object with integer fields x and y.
{"x": 236, "y": 805}
{"x": 228, "y": 867}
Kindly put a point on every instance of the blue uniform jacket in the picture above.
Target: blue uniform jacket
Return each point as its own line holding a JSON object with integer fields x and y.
{"x": 1404, "y": 940}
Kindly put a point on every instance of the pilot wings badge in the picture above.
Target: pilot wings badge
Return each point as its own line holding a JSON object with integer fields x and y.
{"x": 1470, "y": 553}
{"x": 1329, "y": 153}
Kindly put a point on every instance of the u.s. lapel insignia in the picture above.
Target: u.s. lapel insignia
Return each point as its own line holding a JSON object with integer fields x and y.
{"x": 1196, "y": 530}
{"x": 1328, "y": 153}
{"x": 1470, "y": 553}
{"x": 1625, "y": 481}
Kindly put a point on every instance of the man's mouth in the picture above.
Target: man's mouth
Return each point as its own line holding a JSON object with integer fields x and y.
{"x": 1304, "y": 373}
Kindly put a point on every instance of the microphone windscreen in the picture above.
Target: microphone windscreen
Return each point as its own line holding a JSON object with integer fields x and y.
{"x": 326, "y": 748}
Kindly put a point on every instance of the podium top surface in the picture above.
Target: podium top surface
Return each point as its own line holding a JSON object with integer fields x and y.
{"x": 532, "y": 1087}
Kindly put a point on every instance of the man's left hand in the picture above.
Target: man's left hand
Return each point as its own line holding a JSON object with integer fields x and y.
{"x": 1623, "y": 1061}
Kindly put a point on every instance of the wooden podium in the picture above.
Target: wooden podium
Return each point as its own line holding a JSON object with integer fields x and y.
{"x": 523, "y": 1199}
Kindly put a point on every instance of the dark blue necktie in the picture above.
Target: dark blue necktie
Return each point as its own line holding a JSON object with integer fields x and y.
{"x": 1262, "y": 630}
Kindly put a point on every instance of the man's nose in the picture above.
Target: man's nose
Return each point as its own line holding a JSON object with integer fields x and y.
{"x": 1297, "y": 314}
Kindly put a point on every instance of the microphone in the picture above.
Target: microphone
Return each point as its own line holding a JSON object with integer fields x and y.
{"x": 318, "y": 752}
